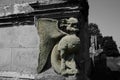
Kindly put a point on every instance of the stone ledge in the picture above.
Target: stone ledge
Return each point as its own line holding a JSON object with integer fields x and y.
{"x": 51, "y": 75}
{"x": 47, "y": 75}
{"x": 16, "y": 76}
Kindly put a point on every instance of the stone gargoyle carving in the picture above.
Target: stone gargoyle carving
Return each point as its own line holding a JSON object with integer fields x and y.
{"x": 58, "y": 48}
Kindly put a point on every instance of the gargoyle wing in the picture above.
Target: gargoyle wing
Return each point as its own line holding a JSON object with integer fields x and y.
{"x": 49, "y": 35}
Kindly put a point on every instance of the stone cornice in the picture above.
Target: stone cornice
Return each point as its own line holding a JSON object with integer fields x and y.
{"x": 57, "y": 10}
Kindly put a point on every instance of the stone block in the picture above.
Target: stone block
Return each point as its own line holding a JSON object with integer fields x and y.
{"x": 25, "y": 60}
{"x": 7, "y": 37}
{"x": 5, "y": 59}
{"x": 19, "y": 36}
{"x": 27, "y": 36}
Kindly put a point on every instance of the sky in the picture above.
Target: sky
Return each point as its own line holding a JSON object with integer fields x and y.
{"x": 106, "y": 14}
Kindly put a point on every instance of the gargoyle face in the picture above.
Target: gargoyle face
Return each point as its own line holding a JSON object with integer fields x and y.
{"x": 72, "y": 24}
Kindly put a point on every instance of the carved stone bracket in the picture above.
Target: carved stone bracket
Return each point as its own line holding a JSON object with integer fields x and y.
{"x": 48, "y": 25}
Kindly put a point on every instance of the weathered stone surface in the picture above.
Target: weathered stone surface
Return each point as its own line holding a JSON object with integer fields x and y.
{"x": 19, "y": 49}
{"x": 7, "y": 2}
{"x": 25, "y": 60}
{"x": 23, "y": 41}
{"x": 51, "y": 77}
{"x": 7, "y": 75}
{"x": 67, "y": 49}
{"x": 19, "y": 36}
{"x": 27, "y": 36}
{"x": 7, "y": 37}
{"x": 50, "y": 74}
{"x": 5, "y": 59}
{"x": 5, "y": 78}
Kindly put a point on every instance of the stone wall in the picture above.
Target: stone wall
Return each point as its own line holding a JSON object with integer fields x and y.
{"x": 19, "y": 49}
{"x": 9, "y": 2}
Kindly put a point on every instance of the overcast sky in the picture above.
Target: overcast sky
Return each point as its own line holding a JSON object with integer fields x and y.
{"x": 106, "y": 13}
